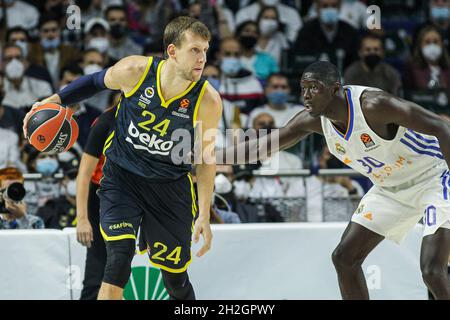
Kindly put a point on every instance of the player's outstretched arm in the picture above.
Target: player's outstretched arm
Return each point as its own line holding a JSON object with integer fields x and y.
{"x": 409, "y": 115}
{"x": 209, "y": 113}
{"x": 124, "y": 75}
{"x": 250, "y": 151}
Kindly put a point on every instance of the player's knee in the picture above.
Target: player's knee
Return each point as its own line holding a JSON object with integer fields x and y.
{"x": 118, "y": 262}
{"x": 433, "y": 274}
{"x": 178, "y": 285}
{"x": 343, "y": 257}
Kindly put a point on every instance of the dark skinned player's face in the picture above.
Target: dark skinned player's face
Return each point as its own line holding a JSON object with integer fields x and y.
{"x": 316, "y": 95}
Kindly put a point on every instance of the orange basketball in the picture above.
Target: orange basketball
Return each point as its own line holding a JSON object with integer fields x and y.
{"x": 52, "y": 129}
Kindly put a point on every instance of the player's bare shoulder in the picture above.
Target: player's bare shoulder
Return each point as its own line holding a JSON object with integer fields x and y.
{"x": 126, "y": 73}
{"x": 211, "y": 104}
{"x": 375, "y": 105}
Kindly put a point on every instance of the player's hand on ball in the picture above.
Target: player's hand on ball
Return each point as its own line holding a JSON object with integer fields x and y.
{"x": 203, "y": 227}
{"x": 54, "y": 98}
{"x": 84, "y": 232}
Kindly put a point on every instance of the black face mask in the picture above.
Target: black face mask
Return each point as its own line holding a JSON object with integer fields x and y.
{"x": 118, "y": 31}
{"x": 2, "y": 95}
{"x": 372, "y": 60}
{"x": 84, "y": 4}
{"x": 248, "y": 42}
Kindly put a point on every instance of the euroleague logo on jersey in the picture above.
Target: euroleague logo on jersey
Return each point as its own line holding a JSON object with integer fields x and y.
{"x": 367, "y": 140}
{"x": 184, "y": 105}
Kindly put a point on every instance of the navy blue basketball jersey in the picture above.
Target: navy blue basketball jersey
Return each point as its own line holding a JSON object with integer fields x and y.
{"x": 151, "y": 135}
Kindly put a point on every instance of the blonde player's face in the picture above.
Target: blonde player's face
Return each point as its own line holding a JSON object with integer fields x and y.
{"x": 191, "y": 56}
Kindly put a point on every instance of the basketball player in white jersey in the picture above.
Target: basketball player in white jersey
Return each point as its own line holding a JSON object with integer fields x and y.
{"x": 404, "y": 150}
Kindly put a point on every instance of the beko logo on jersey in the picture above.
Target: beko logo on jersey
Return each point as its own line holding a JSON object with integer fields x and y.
{"x": 151, "y": 142}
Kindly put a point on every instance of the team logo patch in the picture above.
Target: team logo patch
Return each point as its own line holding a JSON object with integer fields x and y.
{"x": 340, "y": 149}
{"x": 360, "y": 209}
{"x": 368, "y": 216}
{"x": 367, "y": 140}
{"x": 149, "y": 92}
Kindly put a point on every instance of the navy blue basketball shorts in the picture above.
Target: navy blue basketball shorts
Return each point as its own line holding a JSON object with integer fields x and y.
{"x": 164, "y": 211}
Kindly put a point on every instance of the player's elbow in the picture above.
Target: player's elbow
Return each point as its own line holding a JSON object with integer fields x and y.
{"x": 441, "y": 129}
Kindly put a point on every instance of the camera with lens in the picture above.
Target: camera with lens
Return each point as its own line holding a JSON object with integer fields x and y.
{"x": 14, "y": 192}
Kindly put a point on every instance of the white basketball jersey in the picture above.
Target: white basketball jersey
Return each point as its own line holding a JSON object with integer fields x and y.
{"x": 386, "y": 162}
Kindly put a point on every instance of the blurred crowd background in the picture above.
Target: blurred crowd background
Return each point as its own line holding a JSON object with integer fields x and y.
{"x": 257, "y": 54}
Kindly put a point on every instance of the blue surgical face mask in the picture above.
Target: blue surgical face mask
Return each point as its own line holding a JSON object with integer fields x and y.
{"x": 329, "y": 15}
{"x": 230, "y": 66}
{"x": 440, "y": 13}
{"x": 215, "y": 82}
{"x": 49, "y": 44}
{"x": 277, "y": 98}
{"x": 47, "y": 166}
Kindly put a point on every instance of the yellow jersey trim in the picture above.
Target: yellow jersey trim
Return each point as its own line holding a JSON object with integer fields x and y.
{"x": 147, "y": 68}
{"x": 165, "y": 103}
{"x": 199, "y": 100}
{"x": 194, "y": 206}
{"x": 108, "y": 142}
{"x": 171, "y": 269}
{"x": 118, "y": 107}
{"x": 115, "y": 238}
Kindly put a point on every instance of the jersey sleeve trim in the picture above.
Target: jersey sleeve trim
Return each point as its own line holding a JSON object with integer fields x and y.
{"x": 199, "y": 100}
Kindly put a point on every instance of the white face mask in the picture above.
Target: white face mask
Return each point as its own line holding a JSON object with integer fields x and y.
{"x": 222, "y": 184}
{"x": 91, "y": 68}
{"x": 268, "y": 26}
{"x": 72, "y": 188}
{"x": 23, "y": 45}
{"x": 432, "y": 52}
{"x": 241, "y": 189}
{"x": 101, "y": 44}
{"x": 270, "y": 2}
{"x": 14, "y": 69}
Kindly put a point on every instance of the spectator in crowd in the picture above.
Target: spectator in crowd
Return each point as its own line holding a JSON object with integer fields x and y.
{"x": 328, "y": 37}
{"x": 60, "y": 212}
{"x": 213, "y": 75}
{"x": 154, "y": 49}
{"x": 149, "y": 17}
{"x": 94, "y": 61}
{"x": 354, "y": 12}
{"x": 90, "y": 9}
{"x": 121, "y": 44}
{"x": 328, "y": 198}
{"x": 429, "y": 67}
{"x": 261, "y": 64}
{"x": 21, "y": 91}
{"x": 370, "y": 70}
{"x": 221, "y": 210}
{"x": 19, "y": 13}
{"x": 49, "y": 51}
{"x": 19, "y": 37}
{"x": 10, "y": 118}
{"x": 84, "y": 112}
{"x": 271, "y": 40}
{"x": 439, "y": 17}
{"x": 288, "y": 16}
{"x": 275, "y": 187}
{"x": 14, "y": 215}
{"x": 46, "y": 188}
{"x": 9, "y": 146}
{"x": 277, "y": 92}
{"x": 238, "y": 85}
{"x": 96, "y": 35}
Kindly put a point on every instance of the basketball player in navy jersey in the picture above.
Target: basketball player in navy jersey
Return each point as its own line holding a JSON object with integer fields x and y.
{"x": 142, "y": 184}
{"x": 403, "y": 148}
